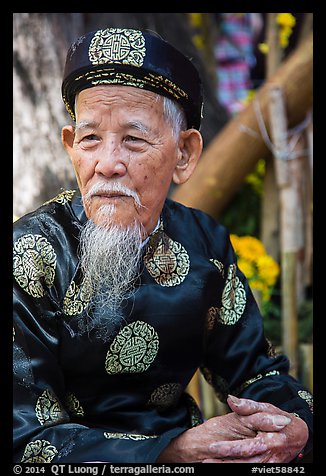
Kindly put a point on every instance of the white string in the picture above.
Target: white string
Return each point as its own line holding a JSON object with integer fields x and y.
{"x": 288, "y": 153}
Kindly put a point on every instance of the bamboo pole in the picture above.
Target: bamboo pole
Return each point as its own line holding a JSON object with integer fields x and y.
{"x": 310, "y": 133}
{"x": 291, "y": 226}
{"x": 233, "y": 153}
{"x": 275, "y": 53}
{"x": 269, "y": 213}
{"x": 306, "y": 361}
{"x": 299, "y": 182}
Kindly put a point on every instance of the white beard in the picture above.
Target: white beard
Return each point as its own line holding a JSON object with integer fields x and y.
{"x": 110, "y": 258}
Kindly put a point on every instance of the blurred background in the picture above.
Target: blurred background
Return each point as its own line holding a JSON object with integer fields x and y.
{"x": 255, "y": 175}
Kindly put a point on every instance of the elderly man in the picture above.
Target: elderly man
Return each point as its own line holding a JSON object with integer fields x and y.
{"x": 122, "y": 294}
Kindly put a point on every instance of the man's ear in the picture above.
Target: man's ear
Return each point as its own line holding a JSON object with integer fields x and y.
{"x": 67, "y": 137}
{"x": 190, "y": 149}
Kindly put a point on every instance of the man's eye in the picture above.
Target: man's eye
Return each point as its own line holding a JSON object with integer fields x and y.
{"x": 90, "y": 137}
{"x": 133, "y": 139}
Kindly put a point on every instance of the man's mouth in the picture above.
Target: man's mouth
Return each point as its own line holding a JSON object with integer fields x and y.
{"x": 110, "y": 195}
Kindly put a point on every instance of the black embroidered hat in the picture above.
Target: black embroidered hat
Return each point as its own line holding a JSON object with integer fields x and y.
{"x": 133, "y": 58}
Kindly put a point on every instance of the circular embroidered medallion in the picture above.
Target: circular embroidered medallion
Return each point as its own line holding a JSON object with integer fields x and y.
{"x": 39, "y": 451}
{"x": 48, "y": 408}
{"x": 166, "y": 395}
{"x": 116, "y": 45}
{"x": 133, "y": 349}
{"x": 34, "y": 263}
{"x": 233, "y": 298}
{"x": 76, "y": 298}
{"x": 167, "y": 262}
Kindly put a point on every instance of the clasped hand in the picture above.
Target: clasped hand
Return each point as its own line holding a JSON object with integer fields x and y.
{"x": 253, "y": 432}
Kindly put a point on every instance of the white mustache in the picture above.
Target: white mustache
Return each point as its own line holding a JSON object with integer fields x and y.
{"x": 112, "y": 187}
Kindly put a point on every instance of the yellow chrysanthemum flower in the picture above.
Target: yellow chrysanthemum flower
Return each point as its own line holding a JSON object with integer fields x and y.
{"x": 247, "y": 268}
{"x": 256, "y": 284}
{"x": 286, "y": 22}
{"x": 286, "y": 19}
{"x": 260, "y": 269}
{"x": 235, "y": 240}
{"x": 268, "y": 269}
{"x": 250, "y": 248}
{"x": 284, "y": 37}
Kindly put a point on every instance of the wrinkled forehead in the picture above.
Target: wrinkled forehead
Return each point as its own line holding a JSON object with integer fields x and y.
{"x": 135, "y": 105}
{"x": 115, "y": 94}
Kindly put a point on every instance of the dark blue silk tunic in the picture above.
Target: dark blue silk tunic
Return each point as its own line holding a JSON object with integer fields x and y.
{"x": 78, "y": 398}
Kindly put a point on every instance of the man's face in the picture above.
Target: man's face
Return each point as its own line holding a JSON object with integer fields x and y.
{"x": 122, "y": 137}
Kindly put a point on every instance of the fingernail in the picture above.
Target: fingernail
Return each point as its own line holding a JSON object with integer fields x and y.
{"x": 281, "y": 420}
{"x": 235, "y": 400}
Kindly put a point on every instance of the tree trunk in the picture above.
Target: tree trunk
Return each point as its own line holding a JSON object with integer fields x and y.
{"x": 234, "y": 152}
{"x": 291, "y": 223}
{"x": 40, "y": 164}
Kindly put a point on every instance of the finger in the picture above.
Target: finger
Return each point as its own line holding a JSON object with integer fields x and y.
{"x": 238, "y": 448}
{"x": 274, "y": 440}
{"x": 263, "y": 421}
{"x": 245, "y": 406}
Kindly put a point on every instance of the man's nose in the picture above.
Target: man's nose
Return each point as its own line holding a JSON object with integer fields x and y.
{"x": 111, "y": 162}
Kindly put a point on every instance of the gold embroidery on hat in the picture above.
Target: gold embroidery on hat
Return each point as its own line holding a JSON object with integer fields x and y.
{"x": 165, "y": 396}
{"x": 34, "y": 264}
{"x": 116, "y": 45}
{"x": 69, "y": 108}
{"x": 39, "y": 451}
{"x": 111, "y": 76}
{"x": 167, "y": 261}
{"x": 133, "y": 350}
{"x": 127, "y": 436}
{"x": 48, "y": 408}
{"x": 233, "y": 298}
